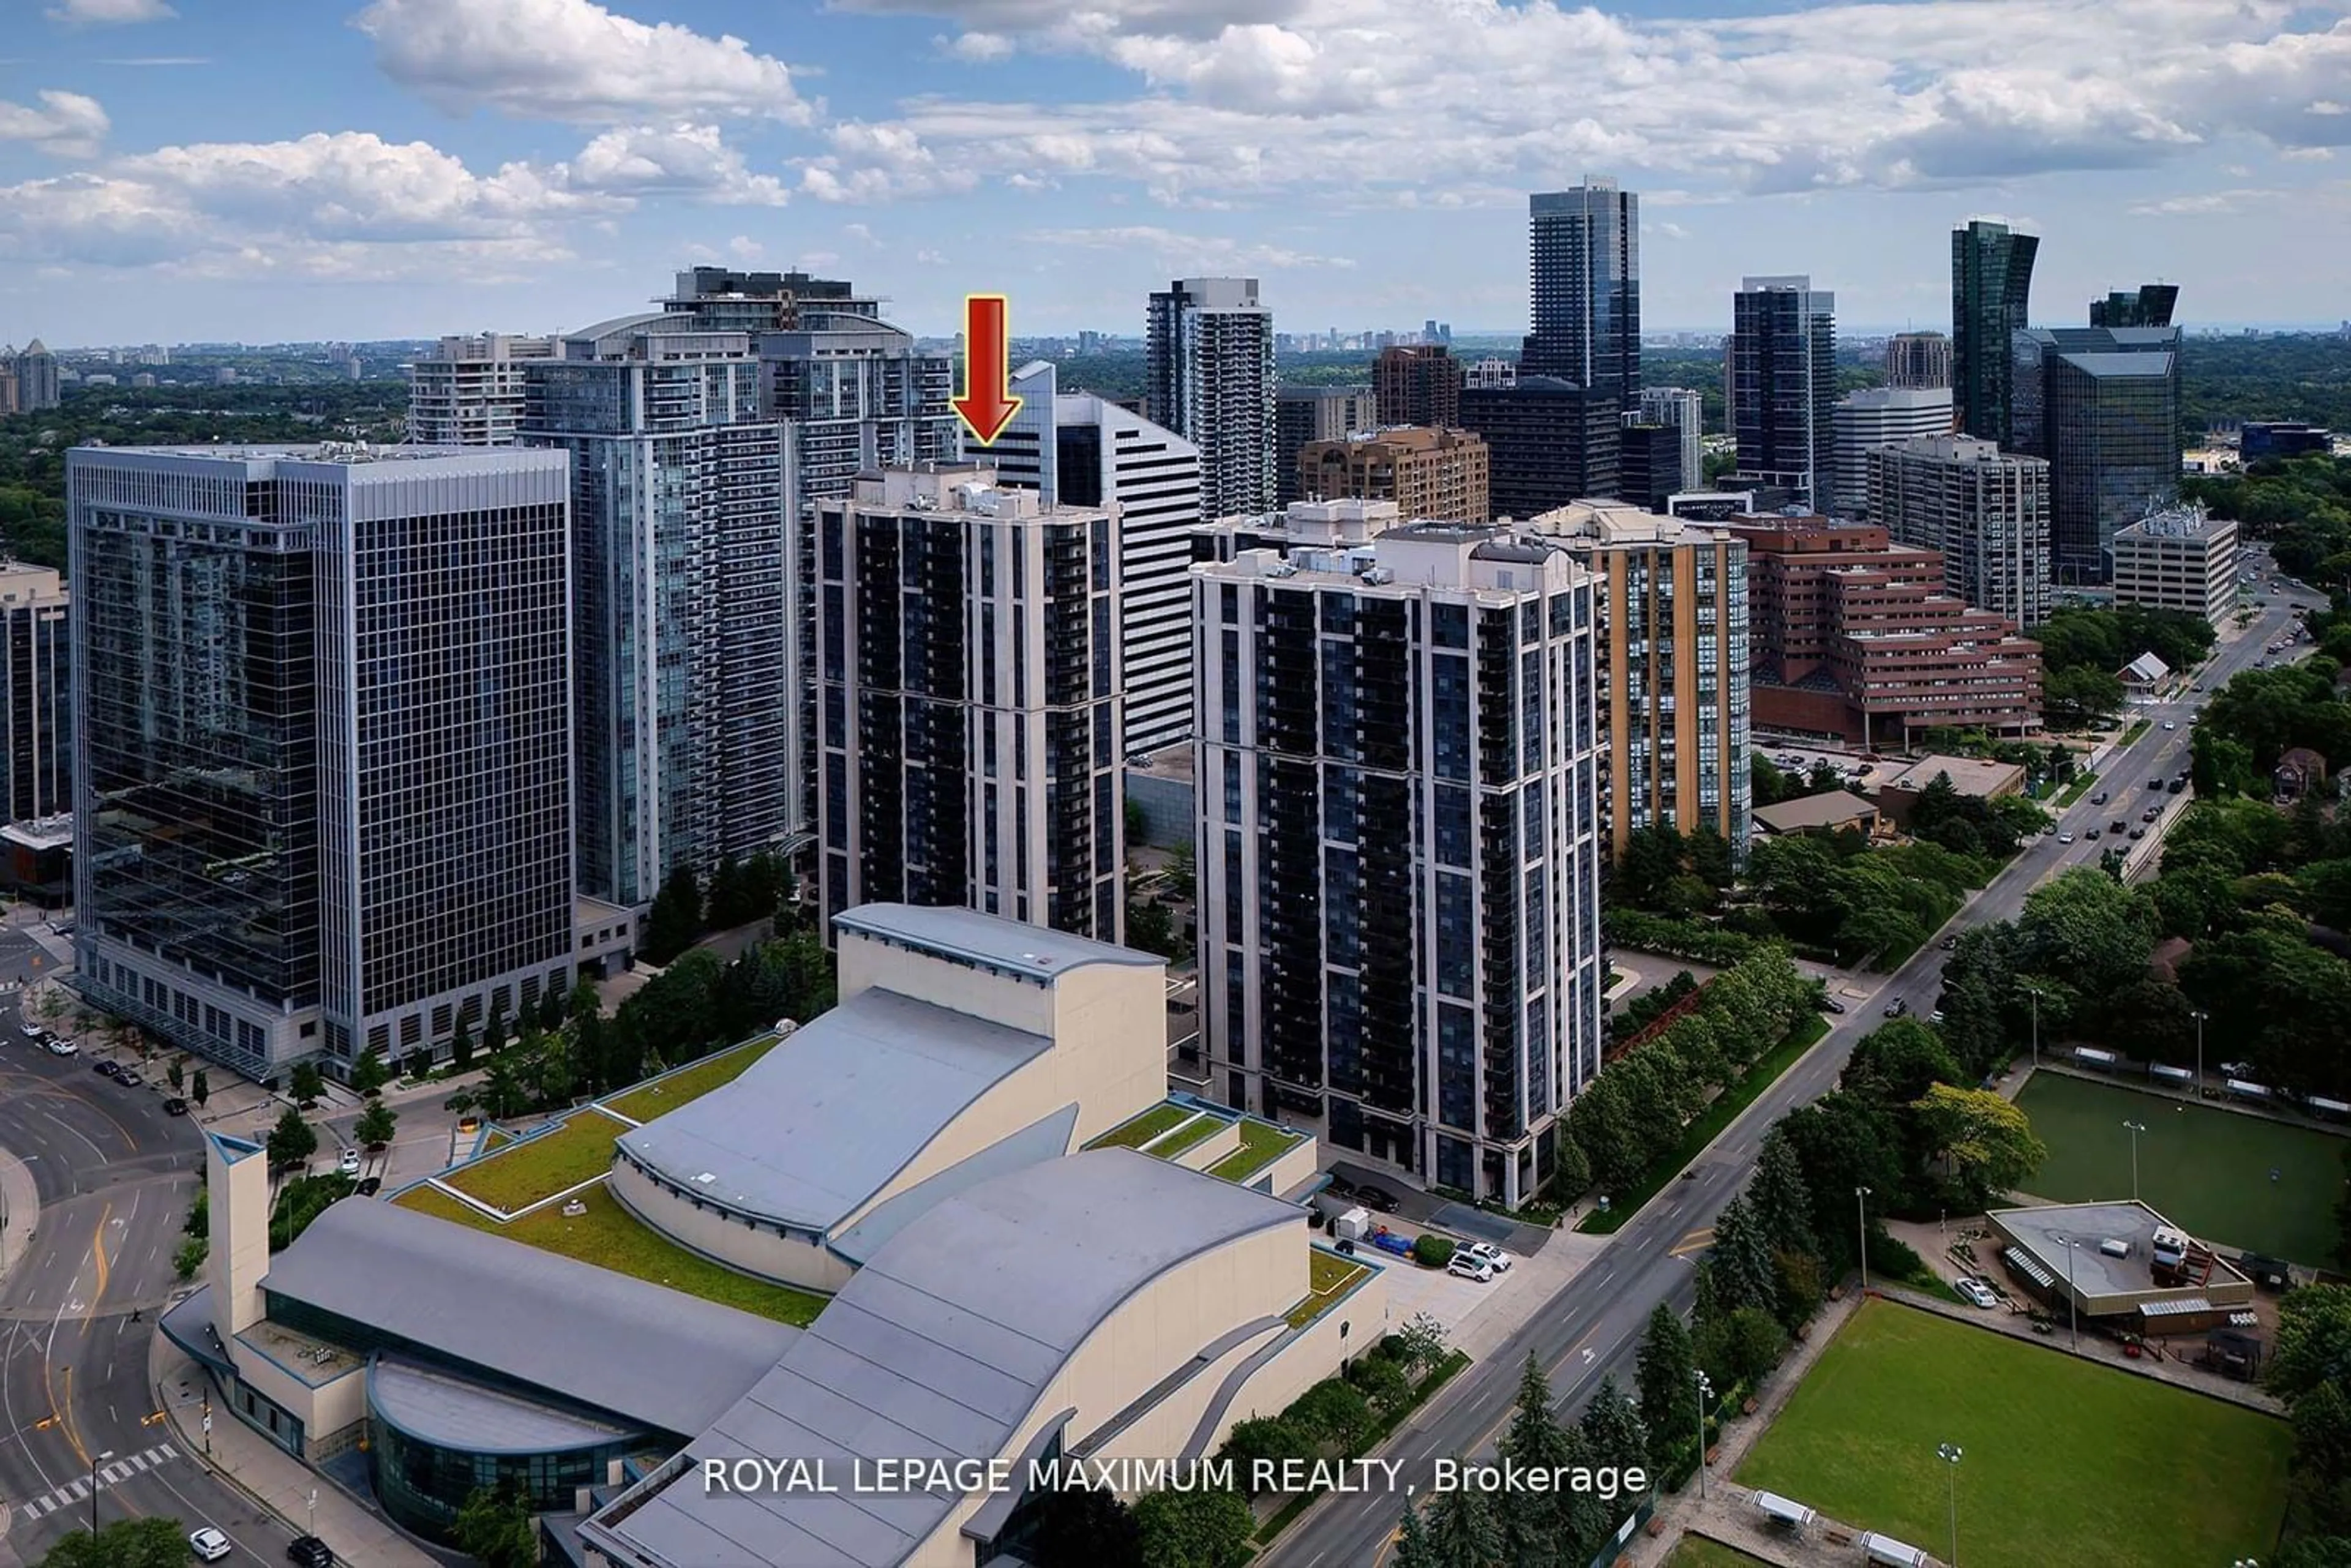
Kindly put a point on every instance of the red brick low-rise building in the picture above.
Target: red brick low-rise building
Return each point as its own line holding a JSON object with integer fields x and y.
{"x": 1853, "y": 636}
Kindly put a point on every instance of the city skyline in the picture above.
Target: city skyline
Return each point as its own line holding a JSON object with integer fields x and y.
{"x": 429, "y": 166}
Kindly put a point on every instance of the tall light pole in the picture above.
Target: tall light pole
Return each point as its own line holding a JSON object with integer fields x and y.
{"x": 1949, "y": 1453}
{"x": 96, "y": 1461}
{"x": 1861, "y": 1210}
{"x": 2033, "y": 993}
{"x": 1701, "y": 1391}
{"x": 2134, "y": 1129}
{"x": 2199, "y": 1015}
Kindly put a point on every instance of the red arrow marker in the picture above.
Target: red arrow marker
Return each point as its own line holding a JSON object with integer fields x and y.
{"x": 988, "y": 405}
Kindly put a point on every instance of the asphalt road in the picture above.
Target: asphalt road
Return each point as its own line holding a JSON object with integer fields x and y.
{"x": 115, "y": 1177}
{"x": 1592, "y": 1327}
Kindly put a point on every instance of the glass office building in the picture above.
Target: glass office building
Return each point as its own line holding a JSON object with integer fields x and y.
{"x": 323, "y": 735}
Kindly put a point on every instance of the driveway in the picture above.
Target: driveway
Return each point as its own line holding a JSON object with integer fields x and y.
{"x": 1455, "y": 1219}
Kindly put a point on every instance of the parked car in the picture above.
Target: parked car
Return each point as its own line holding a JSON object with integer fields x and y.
{"x": 208, "y": 1543}
{"x": 1977, "y": 1293}
{"x": 2154, "y": 783}
{"x": 63, "y": 1047}
{"x": 2176, "y": 786}
{"x": 2151, "y": 814}
{"x": 1467, "y": 1267}
{"x": 1831, "y": 1005}
{"x": 2138, "y": 833}
{"x": 369, "y": 1185}
{"x": 127, "y": 1077}
{"x": 349, "y": 1165}
{"x": 1339, "y": 1186}
{"x": 175, "y": 1106}
{"x": 309, "y": 1551}
{"x": 104, "y": 1069}
{"x": 1377, "y": 1197}
{"x": 1489, "y": 1254}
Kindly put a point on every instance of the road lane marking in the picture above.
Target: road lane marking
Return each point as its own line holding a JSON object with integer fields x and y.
{"x": 115, "y": 1474}
{"x": 1695, "y": 1241}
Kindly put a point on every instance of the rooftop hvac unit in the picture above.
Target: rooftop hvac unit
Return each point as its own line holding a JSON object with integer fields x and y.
{"x": 1379, "y": 576}
{"x": 2115, "y": 1247}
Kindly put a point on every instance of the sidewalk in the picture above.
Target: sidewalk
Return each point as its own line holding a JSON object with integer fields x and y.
{"x": 272, "y": 1477}
{"x": 20, "y": 1210}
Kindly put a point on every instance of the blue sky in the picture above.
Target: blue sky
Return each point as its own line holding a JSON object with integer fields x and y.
{"x": 275, "y": 169}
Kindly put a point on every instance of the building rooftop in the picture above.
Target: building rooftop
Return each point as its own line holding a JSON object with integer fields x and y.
{"x": 41, "y": 833}
{"x": 2123, "y": 362}
{"x": 453, "y": 1414}
{"x": 637, "y": 1351}
{"x": 1013, "y": 946}
{"x": 2044, "y": 1232}
{"x": 1832, "y": 809}
{"x": 941, "y": 1346}
{"x": 2188, "y": 522}
{"x": 1969, "y": 774}
{"x": 822, "y": 1122}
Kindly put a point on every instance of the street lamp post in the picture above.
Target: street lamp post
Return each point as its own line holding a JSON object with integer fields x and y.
{"x": 2134, "y": 1129}
{"x": 96, "y": 1461}
{"x": 1861, "y": 1211}
{"x": 1949, "y": 1453}
{"x": 2199, "y": 1015}
{"x": 2033, "y": 993}
{"x": 1701, "y": 1391}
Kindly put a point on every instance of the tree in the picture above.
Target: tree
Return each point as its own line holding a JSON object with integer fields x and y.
{"x": 2320, "y": 1475}
{"x": 1988, "y": 1141}
{"x": 2307, "y": 1552}
{"x": 2313, "y": 1341}
{"x": 1845, "y": 1141}
{"x": 151, "y": 1543}
{"x": 1614, "y": 1427}
{"x": 1743, "y": 1272}
{"x": 1899, "y": 1061}
{"x": 1414, "y": 1549}
{"x": 553, "y": 1008}
{"x": 190, "y": 1256}
{"x": 1265, "y": 1439}
{"x": 1782, "y": 1203}
{"x": 2073, "y": 698}
{"x": 376, "y": 1124}
{"x": 1752, "y": 1341}
{"x": 175, "y": 1074}
{"x": 1206, "y": 1528}
{"x": 1532, "y": 1521}
{"x": 676, "y": 919}
{"x": 1668, "y": 1375}
{"x": 1385, "y": 1385}
{"x": 1421, "y": 1344}
{"x": 1079, "y": 1527}
{"x": 307, "y": 1085}
{"x": 1332, "y": 1412}
{"x": 291, "y": 1142}
{"x": 200, "y": 1089}
{"x": 2090, "y": 929}
{"x": 496, "y": 1528}
{"x": 494, "y": 1032}
{"x": 1463, "y": 1531}
{"x": 369, "y": 1074}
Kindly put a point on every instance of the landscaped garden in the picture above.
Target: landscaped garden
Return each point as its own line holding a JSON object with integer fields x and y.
{"x": 2062, "y": 1458}
{"x": 2203, "y": 1168}
{"x": 1262, "y": 1143}
{"x": 1697, "y": 1551}
{"x": 1137, "y": 1131}
{"x": 647, "y": 1101}
{"x": 609, "y": 1237}
{"x": 1329, "y": 1278}
{"x": 542, "y": 1165}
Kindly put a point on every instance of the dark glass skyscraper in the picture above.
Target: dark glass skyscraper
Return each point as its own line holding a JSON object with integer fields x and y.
{"x": 1584, "y": 272}
{"x": 2151, "y": 306}
{"x": 1991, "y": 286}
{"x": 1783, "y": 385}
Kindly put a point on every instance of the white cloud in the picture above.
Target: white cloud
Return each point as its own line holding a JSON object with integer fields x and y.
{"x": 66, "y": 124}
{"x": 684, "y": 159}
{"x": 2205, "y": 203}
{"x": 979, "y": 48}
{"x": 109, "y": 13}
{"x": 881, "y": 163}
{"x": 342, "y": 204}
{"x": 1501, "y": 95}
{"x": 861, "y": 232}
{"x": 744, "y": 248}
{"x": 572, "y": 60}
{"x": 930, "y": 258}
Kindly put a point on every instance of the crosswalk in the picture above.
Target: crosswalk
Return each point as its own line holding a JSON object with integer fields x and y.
{"x": 111, "y": 1474}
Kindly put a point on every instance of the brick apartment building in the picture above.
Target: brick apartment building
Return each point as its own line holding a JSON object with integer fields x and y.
{"x": 1439, "y": 476}
{"x": 1854, "y": 637}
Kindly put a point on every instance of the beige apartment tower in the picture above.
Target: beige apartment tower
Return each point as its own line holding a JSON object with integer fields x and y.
{"x": 1439, "y": 476}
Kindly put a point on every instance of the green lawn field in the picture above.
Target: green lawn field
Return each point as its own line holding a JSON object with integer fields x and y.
{"x": 2205, "y": 1169}
{"x": 2064, "y": 1460}
{"x": 1697, "y": 1551}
